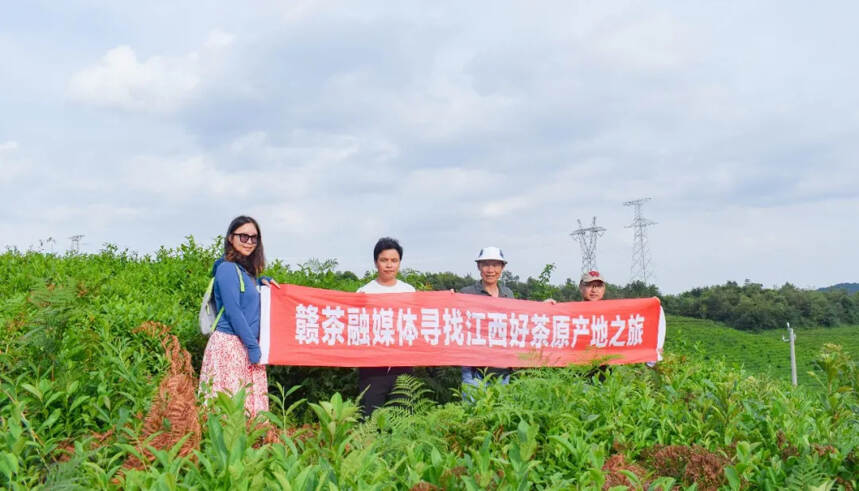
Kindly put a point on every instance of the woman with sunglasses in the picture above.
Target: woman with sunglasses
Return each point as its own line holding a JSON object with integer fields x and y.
{"x": 231, "y": 359}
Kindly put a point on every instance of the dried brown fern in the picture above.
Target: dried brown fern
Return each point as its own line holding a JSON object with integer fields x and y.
{"x": 614, "y": 477}
{"x": 174, "y": 412}
{"x": 689, "y": 464}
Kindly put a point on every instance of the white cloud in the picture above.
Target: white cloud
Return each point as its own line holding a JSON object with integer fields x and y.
{"x": 185, "y": 178}
{"x": 791, "y": 243}
{"x": 449, "y": 128}
{"x": 160, "y": 84}
{"x": 219, "y": 39}
{"x": 643, "y": 42}
{"x": 8, "y": 146}
{"x": 450, "y": 184}
{"x": 506, "y": 206}
{"x": 12, "y": 167}
{"x": 120, "y": 80}
{"x": 95, "y": 214}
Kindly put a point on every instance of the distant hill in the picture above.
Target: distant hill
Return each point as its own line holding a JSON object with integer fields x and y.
{"x": 850, "y": 287}
{"x": 763, "y": 352}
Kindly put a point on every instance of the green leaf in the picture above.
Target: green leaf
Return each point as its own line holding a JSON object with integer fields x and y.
{"x": 733, "y": 478}
{"x": 33, "y": 390}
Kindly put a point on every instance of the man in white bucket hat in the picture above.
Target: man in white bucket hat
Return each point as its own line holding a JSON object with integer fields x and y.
{"x": 490, "y": 262}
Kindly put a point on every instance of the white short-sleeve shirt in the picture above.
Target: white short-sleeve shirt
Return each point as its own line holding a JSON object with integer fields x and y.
{"x": 375, "y": 287}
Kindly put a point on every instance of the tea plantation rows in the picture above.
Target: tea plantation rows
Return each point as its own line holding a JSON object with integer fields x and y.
{"x": 764, "y": 352}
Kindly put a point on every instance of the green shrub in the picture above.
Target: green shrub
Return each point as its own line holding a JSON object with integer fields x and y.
{"x": 76, "y": 376}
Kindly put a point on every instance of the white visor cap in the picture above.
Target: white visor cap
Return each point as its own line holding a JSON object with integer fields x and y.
{"x": 491, "y": 254}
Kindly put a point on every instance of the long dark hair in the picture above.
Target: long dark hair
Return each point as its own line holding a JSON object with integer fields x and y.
{"x": 253, "y": 264}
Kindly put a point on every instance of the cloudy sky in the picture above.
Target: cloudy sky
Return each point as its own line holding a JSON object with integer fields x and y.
{"x": 450, "y": 125}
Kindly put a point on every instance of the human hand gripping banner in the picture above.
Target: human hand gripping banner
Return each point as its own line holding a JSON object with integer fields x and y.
{"x": 315, "y": 327}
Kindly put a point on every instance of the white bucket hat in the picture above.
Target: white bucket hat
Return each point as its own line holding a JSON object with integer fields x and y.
{"x": 490, "y": 254}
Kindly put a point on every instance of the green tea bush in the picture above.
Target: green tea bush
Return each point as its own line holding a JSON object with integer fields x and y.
{"x": 77, "y": 376}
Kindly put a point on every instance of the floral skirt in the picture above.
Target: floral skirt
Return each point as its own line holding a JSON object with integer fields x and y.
{"x": 226, "y": 368}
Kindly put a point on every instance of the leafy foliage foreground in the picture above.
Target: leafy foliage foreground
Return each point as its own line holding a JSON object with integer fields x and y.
{"x": 94, "y": 395}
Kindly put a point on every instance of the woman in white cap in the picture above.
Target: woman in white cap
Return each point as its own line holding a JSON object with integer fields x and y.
{"x": 490, "y": 263}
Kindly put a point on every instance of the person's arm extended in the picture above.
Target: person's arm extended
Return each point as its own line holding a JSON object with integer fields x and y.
{"x": 228, "y": 285}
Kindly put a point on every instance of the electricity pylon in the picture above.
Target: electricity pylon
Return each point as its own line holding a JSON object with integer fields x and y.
{"x": 587, "y": 238}
{"x": 640, "y": 270}
{"x": 76, "y": 243}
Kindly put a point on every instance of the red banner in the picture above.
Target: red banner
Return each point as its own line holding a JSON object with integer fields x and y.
{"x": 315, "y": 327}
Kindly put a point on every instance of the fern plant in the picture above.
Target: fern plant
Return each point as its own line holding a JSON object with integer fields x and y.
{"x": 411, "y": 395}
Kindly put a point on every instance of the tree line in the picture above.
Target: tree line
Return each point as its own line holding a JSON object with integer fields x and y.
{"x": 752, "y": 307}
{"x": 749, "y": 307}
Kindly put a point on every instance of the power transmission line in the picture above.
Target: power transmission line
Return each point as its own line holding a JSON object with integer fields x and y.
{"x": 587, "y": 238}
{"x": 640, "y": 270}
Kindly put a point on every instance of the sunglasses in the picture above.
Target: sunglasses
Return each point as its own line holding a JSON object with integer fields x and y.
{"x": 245, "y": 238}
